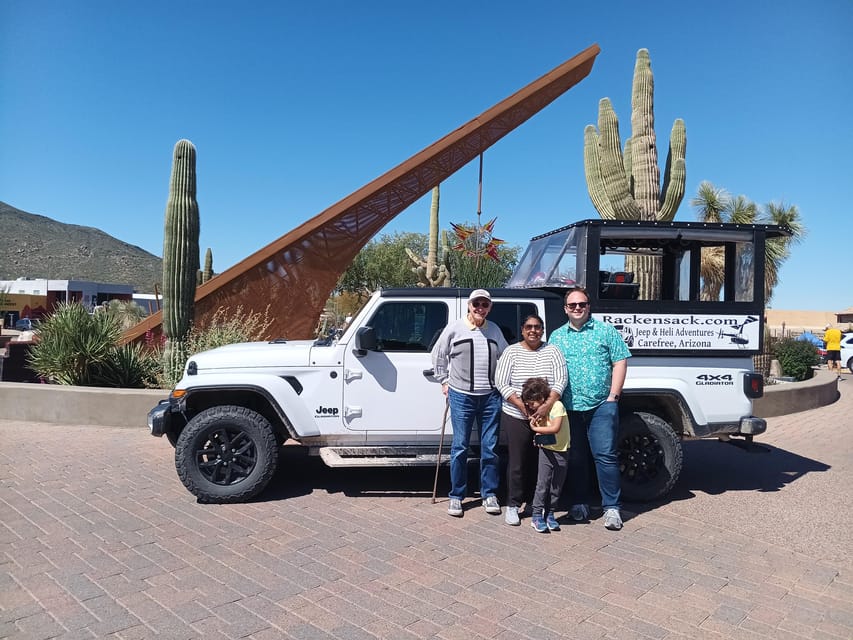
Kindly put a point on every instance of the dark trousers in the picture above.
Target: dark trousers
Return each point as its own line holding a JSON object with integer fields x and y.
{"x": 521, "y": 459}
{"x": 553, "y": 467}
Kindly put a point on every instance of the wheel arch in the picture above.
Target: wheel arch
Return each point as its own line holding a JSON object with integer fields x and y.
{"x": 253, "y": 397}
{"x": 668, "y": 404}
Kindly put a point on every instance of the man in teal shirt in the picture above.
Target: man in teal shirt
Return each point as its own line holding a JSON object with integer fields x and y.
{"x": 597, "y": 361}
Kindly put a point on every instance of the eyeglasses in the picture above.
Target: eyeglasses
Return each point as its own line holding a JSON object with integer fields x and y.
{"x": 482, "y": 305}
{"x": 532, "y": 327}
{"x": 577, "y": 305}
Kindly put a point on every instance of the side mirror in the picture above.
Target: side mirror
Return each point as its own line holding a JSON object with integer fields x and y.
{"x": 365, "y": 340}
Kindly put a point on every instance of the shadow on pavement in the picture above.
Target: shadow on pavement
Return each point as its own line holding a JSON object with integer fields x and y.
{"x": 710, "y": 467}
{"x": 299, "y": 474}
{"x": 715, "y": 467}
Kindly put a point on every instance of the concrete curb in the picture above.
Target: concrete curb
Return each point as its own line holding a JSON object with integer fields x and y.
{"x": 791, "y": 397}
{"x": 101, "y": 406}
{"x": 54, "y": 403}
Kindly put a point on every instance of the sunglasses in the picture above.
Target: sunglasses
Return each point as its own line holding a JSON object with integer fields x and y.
{"x": 483, "y": 305}
{"x": 532, "y": 327}
{"x": 577, "y": 305}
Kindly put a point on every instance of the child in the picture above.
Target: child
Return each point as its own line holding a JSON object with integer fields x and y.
{"x": 553, "y": 458}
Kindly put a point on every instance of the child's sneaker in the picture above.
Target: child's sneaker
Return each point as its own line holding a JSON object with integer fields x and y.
{"x": 551, "y": 522}
{"x": 538, "y": 523}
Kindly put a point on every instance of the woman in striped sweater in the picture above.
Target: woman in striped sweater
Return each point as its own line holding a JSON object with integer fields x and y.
{"x": 529, "y": 358}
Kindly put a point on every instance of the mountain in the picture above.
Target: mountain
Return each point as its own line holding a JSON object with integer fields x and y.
{"x": 35, "y": 246}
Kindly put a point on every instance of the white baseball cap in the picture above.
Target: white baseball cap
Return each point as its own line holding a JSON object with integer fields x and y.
{"x": 480, "y": 293}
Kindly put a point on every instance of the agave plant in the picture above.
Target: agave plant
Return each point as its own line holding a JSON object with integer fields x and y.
{"x": 79, "y": 348}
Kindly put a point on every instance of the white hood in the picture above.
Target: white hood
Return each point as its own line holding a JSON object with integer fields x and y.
{"x": 293, "y": 353}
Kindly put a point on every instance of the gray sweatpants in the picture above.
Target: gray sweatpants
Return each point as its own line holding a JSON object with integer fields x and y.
{"x": 553, "y": 466}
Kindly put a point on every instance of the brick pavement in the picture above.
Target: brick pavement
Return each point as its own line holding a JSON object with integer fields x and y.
{"x": 99, "y": 539}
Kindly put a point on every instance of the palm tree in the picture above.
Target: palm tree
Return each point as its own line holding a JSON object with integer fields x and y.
{"x": 779, "y": 249}
{"x": 713, "y": 204}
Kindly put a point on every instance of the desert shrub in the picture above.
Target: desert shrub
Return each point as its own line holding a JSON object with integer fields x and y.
{"x": 228, "y": 327}
{"x": 79, "y": 348}
{"x": 796, "y": 357}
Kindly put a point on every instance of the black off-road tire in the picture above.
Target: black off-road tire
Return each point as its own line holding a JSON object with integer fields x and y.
{"x": 650, "y": 457}
{"x": 226, "y": 454}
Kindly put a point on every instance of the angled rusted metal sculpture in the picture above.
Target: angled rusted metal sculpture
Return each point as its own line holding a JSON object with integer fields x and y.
{"x": 298, "y": 272}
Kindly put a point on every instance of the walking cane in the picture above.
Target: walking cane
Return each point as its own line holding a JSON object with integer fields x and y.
{"x": 440, "y": 445}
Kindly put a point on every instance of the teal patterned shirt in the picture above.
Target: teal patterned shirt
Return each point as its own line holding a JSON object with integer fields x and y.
{"x": 590, "y": 353}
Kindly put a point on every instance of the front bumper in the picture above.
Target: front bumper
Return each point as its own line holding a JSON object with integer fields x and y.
{"x": 159, "y": 418}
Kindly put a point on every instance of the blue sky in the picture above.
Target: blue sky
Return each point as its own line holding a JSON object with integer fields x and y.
{"x": 292, "y": 106}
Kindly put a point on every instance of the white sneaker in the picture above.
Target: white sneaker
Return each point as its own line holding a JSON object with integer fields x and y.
{"x": 511, "y": 517}
{"x": 579, "y": 512}
{"x": 455, "y": 508}
{"x": 490, "y": 504}
{"x": 612, "y": 519}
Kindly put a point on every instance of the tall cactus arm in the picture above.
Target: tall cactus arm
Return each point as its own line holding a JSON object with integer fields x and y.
{"x": 628, "y": 160}
{"x": 612, "y": 166}
{"x": 592, "y": 168}
{"x": 644, "y": 167}
{"x": 675, "y": 173}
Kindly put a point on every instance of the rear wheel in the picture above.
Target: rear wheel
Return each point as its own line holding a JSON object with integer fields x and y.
{"x": 226, "y": 454}
{"x": 650, "y": 457}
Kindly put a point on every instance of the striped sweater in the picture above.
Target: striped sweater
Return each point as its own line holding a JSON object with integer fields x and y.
{"x": 518, "y": 363}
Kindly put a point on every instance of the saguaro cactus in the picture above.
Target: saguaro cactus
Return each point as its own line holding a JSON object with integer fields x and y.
{"x": 207, "y": 274}
{"x": 627, "y": 186}
{"x": 180, "y": 257}
{"x": 430, "y": 273}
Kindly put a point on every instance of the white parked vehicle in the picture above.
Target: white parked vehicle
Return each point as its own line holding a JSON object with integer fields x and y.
{"x": 847, "y": 351}
{"x": 368, "y": 398}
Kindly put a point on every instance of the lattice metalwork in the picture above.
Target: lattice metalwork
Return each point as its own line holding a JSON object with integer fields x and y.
{"x": 297, "y": 273}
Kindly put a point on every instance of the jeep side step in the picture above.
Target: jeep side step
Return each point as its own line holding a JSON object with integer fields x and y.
{"x": 381, "y": 456}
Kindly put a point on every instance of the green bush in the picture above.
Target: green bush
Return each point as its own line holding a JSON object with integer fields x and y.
{"x": 796, "y": 357}
{"x": 78, "y": 348}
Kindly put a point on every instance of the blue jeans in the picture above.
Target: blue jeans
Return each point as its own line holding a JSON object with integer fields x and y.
{"x": 464, "y": 409}
{"x": 595, "y": 432}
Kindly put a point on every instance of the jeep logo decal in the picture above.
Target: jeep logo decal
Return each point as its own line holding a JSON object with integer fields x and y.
{"x": 326, "y": 412}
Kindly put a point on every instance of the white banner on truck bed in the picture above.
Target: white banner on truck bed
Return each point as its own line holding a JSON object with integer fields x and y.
{"x": 685, "y": 331}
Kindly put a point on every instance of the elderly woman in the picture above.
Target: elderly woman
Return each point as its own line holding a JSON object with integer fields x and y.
{"x": 529, "y": 358}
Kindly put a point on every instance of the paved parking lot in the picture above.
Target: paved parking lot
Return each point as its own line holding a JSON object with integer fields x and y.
{"x": 100, "y": 539}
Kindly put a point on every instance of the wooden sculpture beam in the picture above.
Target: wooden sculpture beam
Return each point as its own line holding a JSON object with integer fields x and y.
{"x": 297, "y": 273}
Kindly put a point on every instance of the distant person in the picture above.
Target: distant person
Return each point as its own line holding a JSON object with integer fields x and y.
{"x": 832, "y": 338}
{"x": 597, "y": 360}
{"x": 464, "y": 360}
{"x": 531, "y": 357}
{"x": 552, "y": 439}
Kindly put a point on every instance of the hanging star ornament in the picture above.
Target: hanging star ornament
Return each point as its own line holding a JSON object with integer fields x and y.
{"x": 475, "y": 241}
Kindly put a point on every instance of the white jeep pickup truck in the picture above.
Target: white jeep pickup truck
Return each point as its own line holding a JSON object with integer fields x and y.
{"x": 368, "y": 398}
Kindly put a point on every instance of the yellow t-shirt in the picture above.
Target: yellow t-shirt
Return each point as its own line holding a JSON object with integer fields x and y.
{"x": 832, "y": 337}
{"x": 559, "y": 410}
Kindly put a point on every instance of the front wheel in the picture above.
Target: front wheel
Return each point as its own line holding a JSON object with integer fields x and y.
{"x": 650, "y": 457}
{"x": 226, "y": 454}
